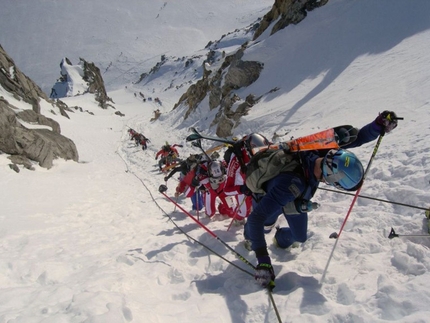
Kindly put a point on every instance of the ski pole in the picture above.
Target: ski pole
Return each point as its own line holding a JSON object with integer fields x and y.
{"x": 393, "y": 234}
{"x": 374, "y": 198}
{"x": 275, "y": 308}
{"x": 236, "y": 211}
{"x": 163, "y": 188}
{"x": 197, "y": 202}
{"x": 176, "y": 202}
{"x": 336, "y": 235}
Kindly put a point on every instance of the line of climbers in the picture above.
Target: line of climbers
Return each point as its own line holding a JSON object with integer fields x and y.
{"x": 207, "y": 181}
{"x": 288, "y": 192}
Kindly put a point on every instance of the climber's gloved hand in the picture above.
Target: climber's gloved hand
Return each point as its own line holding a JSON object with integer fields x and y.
{"x": 304, "y": 206}
{"x": 387, "y": 120}
{"x": 195, "y": 182}
{"x": 245, "y": 190}
{"x": 264, "y": 273}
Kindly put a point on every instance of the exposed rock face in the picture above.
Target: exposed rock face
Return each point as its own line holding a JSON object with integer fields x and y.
{"x": 78, "y": 79}
{"x": 96, "y": 84}
{"x": 287, "y": 12}
{"x": 241, "y": 74}
{"x": 236, "y": 73}
{"x": 40, "y": 140}
{"x": 14, "y": 81}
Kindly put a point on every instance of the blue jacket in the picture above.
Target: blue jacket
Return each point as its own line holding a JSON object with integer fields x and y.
{"x": 289, "y": 187}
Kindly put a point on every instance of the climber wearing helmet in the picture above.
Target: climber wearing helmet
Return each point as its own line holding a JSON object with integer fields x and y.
{"x": 342, "y": 169}
{"x": 237, "y": 159}
{"x": 213, "y": 185}
{"x": 290, "y": 193}
{"x": 255, "y": 140}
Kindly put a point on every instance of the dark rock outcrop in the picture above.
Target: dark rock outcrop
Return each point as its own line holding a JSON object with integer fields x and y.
{"x": 286, "y": 12}
{"x": 235, "y": 73}
{"x": 96, "y": 84}
{"x": 27, "y": 135}
{"x": 85, "y": 77}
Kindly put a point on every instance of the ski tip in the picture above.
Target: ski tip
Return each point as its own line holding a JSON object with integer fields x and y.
{"x": 192, "y": 137}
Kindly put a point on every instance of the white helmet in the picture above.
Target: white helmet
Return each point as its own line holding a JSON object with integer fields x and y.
{"x": 216, "y": 172}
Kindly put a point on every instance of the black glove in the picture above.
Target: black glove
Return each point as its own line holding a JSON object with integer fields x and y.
{"x": 166, "y": 178}
{"x": 156, "y": 158}
{"x": 387, "y": 120}
{"x": 245, "y": 190}
{"x": 195, "y": 182}
{"x": 304, "y": 206}
{"x": 264, "y": 274}
{"x": 343, "y": 135}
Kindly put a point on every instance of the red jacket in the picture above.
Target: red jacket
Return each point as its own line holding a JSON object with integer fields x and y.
{"x": 164, "y": 153}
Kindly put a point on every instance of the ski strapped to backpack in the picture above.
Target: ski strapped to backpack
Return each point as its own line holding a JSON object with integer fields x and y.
{"x": 332, "y": 138}
{"x": 196, "y": 136}
{"x": 327, "y": 139}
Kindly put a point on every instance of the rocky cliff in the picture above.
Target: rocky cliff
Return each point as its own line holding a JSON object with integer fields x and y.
{"x": 218, "y": 85}
{"x": 25, "y": 134}
{"x": 85, "y": 77}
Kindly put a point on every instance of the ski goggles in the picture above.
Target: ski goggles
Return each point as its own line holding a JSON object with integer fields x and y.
{"x": 217, "y": 180}
{"x": 327, "y": 174}
{"x": 333, "y": 170}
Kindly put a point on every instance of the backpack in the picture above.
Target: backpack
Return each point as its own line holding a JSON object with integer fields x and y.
{"x": 267, "y": 164}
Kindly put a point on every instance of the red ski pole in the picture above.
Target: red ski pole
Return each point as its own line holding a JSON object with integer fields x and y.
{"x": 163, "y": 188}
{"x": 336, "y": 235}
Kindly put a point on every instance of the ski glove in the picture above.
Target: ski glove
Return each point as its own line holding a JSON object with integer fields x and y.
{"x": 264, "y": 274}
{"x": 195, "y": 182}
{"x": 387, "y": 120}
{"x": 245, "y": 190}
{"x": 304, "y": 206}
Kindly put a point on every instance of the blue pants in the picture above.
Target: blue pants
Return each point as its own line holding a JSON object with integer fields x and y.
{"x": 286, "y": 236}
{"x": 296, "y": 231}
{"x": 197, "y": 200}
{"x": 280, "y": 191}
